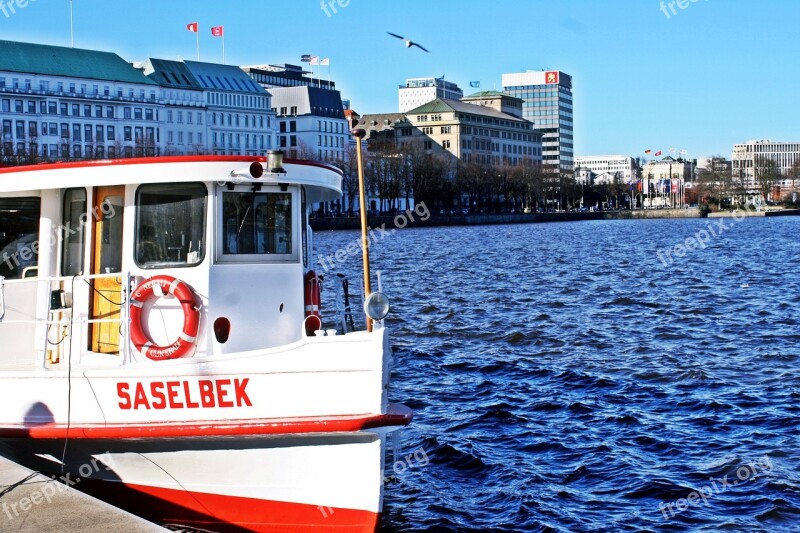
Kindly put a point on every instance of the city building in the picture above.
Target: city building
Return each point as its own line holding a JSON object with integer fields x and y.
{"x": 418, "y": 91}
{"x": 184, "y": 117}
{"x": 605, "y": 169}
{"x": 755, "y": 161}
{"x": 240, "y": 115}
{"x": 286, "y": 75}
{"x": 547, "y": 97}
{"x": 311, "y": 122}
{"x": 483, "y": 128}
{"x": 664, "y": 182}
{"x": 69, "y": 103}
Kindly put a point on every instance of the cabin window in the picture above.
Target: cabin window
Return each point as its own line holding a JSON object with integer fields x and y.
{"x": 74, "y": 237}
{"x": 19, "y": 237}
{"x": 170, "y": 225}
{"x": 257, "y": 224}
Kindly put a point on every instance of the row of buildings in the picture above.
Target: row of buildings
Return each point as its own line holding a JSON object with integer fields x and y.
{"x": 763, "y": 169}
{"x": 68, "y": 103}
{"x": 541, "y": 98}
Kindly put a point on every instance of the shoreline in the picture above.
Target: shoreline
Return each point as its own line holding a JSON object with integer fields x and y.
{"x": 351, "y": 223}
{"x": 348, "y": 223}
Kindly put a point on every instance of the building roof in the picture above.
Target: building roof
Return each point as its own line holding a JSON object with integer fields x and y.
{"x": 67, "y": 62}
{"x": 383, "y": 121}
{"x": 216, "y": 77}
{"x": 442, "y": 105}
{"x": 174, "y": 74}
{"x": 489, "y": 94}
{"x": 308, "y": 101}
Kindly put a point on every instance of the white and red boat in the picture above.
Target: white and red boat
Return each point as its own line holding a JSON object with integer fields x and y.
{"x": 160, "y": 345}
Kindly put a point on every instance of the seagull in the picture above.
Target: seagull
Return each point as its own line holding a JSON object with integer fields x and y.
{"x": 409, "y": 42}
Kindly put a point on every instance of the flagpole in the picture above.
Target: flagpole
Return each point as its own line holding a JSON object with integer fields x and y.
{"x": 198, "y": 42}
{"x": 71, "y": 32}
{"x": 223, "y": 47}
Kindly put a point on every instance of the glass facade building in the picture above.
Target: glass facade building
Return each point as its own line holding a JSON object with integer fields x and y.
{"x": 547, "y": 97}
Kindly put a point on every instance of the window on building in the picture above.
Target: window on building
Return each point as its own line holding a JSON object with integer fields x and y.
{"x": 127, "y": 133}
{"x": 110, "y": 134}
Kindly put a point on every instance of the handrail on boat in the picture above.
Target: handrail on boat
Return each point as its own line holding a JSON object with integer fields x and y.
{"x": 50, "y": 320}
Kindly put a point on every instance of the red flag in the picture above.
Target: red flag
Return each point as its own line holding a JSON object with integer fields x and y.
{"x": 192, "y": 27}
{"x": 658, "y": 153}
{"x": 216, "y": 31}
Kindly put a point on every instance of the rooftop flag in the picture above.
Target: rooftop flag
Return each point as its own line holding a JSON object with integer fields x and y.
{"x": 326, "y": 61}
{"x": 305, "y": 58}
{"x": 192, "y": 26}
{"x": 658, "y": 153}
{"x": 315, "y": 60}
{"x": 217, "y": 31}
{"x": 474, "y": 84}
{"x": 648, "y": 151}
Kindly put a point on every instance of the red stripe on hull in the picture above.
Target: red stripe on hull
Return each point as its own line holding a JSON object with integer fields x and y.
{"x": 397, "y": 415}
{"x": 213, "y": 512}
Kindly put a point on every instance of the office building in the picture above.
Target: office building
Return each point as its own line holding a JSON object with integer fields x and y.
{"x": 753, "y": 160}
{"x": 69, "y": 103}
{"x": 547, "y": 97}
{"x": 483, "y": 128}
{"x": 605, "y": 168}
{"x": 418, "y": 91}
{"x": 311, "y": 122}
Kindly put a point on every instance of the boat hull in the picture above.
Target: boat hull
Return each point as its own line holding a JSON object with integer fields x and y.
{"x": 292, "y": 482}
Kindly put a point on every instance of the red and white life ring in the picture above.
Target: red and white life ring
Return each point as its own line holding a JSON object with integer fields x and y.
{"x": 159, "y": 286}
{"x": 312, "y": 301}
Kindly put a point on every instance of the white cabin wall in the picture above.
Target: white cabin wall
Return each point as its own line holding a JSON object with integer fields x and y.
{"x": 264, "y": 303}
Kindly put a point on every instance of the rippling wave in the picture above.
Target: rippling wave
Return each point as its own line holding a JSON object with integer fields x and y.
{"x": 565, "y": 379}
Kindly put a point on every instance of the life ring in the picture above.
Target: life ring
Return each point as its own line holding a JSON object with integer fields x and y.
{"x": 312, "y": 300}
{"x": 159, "y": 286}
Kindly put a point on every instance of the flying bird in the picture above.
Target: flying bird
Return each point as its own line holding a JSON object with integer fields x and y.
{"x": 409, "y": 42}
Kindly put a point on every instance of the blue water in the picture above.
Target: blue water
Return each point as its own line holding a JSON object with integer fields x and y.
{"x": 565, "y": 379}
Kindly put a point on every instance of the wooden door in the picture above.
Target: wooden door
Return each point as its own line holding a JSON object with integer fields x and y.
{"x": 109, "y": 203}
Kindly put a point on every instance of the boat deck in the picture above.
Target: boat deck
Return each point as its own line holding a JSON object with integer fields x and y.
{"x": 31, "y": 502}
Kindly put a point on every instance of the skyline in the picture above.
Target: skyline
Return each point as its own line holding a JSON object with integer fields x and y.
{"x": 647, "y": 75}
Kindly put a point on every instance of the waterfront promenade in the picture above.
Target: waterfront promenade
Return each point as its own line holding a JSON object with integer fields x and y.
{"x": 399, "y": 220}
{"x": 31, "y": 502}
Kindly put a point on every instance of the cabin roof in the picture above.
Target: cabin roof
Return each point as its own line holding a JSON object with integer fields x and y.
{"x": 323, "y": 181}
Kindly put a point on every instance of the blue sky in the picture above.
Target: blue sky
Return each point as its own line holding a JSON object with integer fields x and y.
{"x": 711, "y": 74}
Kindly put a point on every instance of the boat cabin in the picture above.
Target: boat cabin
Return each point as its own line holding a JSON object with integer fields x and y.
{"x": 226, "y": 239}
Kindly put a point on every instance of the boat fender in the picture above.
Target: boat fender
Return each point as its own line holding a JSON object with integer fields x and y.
{"x": 312, "y": 291}
{"x": 157, "y": 287}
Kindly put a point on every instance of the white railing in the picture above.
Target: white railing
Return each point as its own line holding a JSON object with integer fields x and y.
{"x": 69, "y": 283}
